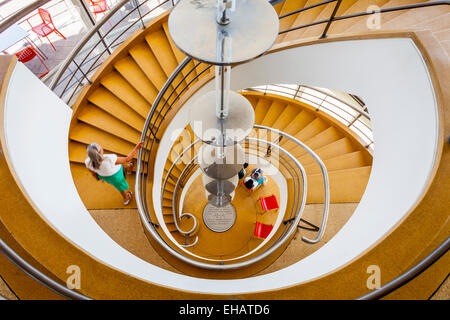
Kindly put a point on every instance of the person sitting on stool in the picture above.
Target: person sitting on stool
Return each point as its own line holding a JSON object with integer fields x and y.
{"x": 255, "y": 179}
{"x": 242, "y": 173}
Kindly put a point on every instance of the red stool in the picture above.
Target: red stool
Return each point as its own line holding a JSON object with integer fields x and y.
{"x": 262, "y": 230}
{"x": 27, "y": 54}
{"x": 269, "y": 203}
{"x": 46, "y": 27}
{"x": 99, "y": 6}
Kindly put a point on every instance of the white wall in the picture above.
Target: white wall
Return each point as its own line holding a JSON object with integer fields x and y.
{"x": 389, "y": 74}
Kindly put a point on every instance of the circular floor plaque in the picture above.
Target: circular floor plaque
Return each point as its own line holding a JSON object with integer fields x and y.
{"x": 219, "y": 219}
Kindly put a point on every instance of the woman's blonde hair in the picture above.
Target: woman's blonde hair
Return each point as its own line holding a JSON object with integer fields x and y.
{"x": 93, "y": 151}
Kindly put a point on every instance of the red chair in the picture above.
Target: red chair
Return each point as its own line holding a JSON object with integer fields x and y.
{"x": 27, "y": 54}
{"x": 46, "y": 27}
{"x": 262, "y": 230}
{"x": 269, "y": 203}
{"x": 99, "y": 6}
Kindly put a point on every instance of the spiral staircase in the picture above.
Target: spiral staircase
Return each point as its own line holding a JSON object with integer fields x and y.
{"x": 143, "y": 91}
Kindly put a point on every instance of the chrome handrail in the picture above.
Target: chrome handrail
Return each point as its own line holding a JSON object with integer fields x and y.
{"x": 410, "y": 274}
{"x": 292, "y": 228}
{"x": 96, "y": 30}
{"x": 325, "y": 181}
{"x": 12, "y": 19}
{"x": 284, "y": 236}
{"x": 175, "y": 207}
{"x": 298, "y": 94}
{"x": 174, "y": 211}
{"x": 38, "y": 275}
{"x": 328, "y": 22}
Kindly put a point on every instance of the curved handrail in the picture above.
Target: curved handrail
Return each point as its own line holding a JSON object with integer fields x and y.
{"x": 97, "y": 27}
{"x": 175, "y": 218}
{"x": 297, "y": 216}
{"x": 410, "y": 274}
{"x": 9, "y": 21}
{"x": 107, "y": 47}
{"x": 38, "y": 275}
{"x": 259, "y": 257}
{"x": 299, "y": 94}
{"x": 326, "y": 183}
{"x": 85, "y": 40}
{"x": 175, "y": 205}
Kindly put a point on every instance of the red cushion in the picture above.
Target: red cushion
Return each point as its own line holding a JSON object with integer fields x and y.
{"x": 269, "y": 203}
{"x": 262, "y": 230}
{"x": 99, "y": 6}
{"x": 25, "y": 55}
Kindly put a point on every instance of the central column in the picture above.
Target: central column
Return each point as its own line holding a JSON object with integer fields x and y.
{"x": 222, "y": 33}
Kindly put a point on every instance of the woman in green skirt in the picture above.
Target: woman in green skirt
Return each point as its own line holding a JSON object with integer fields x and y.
{"x": 110, "y": 168}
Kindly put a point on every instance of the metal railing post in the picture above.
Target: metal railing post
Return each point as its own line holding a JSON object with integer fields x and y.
{"x": 336, "y": 8}
{"x": 139, "y": 12}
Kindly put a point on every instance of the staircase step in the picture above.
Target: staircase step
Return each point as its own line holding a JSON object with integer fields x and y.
{"x": 335, "y": 149}
{"x": 357, "y": 6}
{"x": 171, "y": 227}
{"x": 87, "y": 134}
{"x": 169, "y": 219}
{"x": 179, "y": 56}
{"x": 106, "y": 122}
{"x": 115, "y": 83}
{"x": 274, "y": 111}
{"x": 324, "y": 138}
{"x": 160, "y": 46}
{"x": 346, "y": 185}
{"x": 305, "y": 17}
{"x": 77, "y": 152}
{"x": 261, "y": 109}
{"x": 167, "y": 203}
{"x": 361, "y": 25}
{"x": 131, "y": 71}
{"x": 148, "y": 63}
{"x": 289, "y": 113}
{"x": 300, "y": 121}
{"x": 289, "y": 6}
{"x": 310, "y": 130}
{"x": 354, "y": 159}
{"x": 419, "y": 19}
{"x": 317, "y": 30}
{"x": 108, "y": 102}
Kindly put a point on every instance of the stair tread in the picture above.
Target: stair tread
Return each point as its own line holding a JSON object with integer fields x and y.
{"x": 347, "y": 185}
{"x": 261, "y": 109}
{"x": 115, "y": 83}
{"x": 300, "y": 121}
{"x": 180, "y": 56}
{"x": 289, "y": 113}
{"x": 350, "y": 160}
{"x": 87, "y": 134}
{"x": 106, "y": 122}
{"x": 131, "y": 71}
{"x": 274, "y": 111}
{"x": 148, "y": 63}
{"x": 162, "y": 50}
{"x": 305, "y": 17}
{"x": 337, "y": 148}
{"x": 357, "y": 6}
{"x": 108, "y": 102}
{"x": 321, "y": 139}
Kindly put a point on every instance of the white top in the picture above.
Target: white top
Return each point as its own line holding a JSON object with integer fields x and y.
{"x": 11, "y": 36}
{"x": 108, "y": 166}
